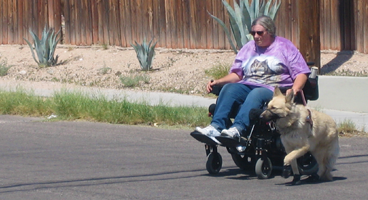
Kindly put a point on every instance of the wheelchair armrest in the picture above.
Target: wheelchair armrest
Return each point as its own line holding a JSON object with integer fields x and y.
{"x": 216, "y": 89}
{"x": 310, "y": 89}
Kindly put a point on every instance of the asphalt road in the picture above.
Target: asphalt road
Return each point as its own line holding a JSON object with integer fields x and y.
{"x": 83, "y": 160}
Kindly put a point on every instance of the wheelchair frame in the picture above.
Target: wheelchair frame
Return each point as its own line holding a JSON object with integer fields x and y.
{"x": 261, "y": 151}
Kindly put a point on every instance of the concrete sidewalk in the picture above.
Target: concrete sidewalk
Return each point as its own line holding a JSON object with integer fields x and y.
{"x": 343, "y": 98}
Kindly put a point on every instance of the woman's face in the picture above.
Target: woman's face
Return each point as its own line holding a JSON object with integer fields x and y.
{"x": 261, "y": 36}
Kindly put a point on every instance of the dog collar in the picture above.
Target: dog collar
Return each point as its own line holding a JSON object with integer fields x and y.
{"x": 309, "y": 118}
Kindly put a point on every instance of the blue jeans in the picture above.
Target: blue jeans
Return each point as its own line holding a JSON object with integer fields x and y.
{"x": 240, "y": 98}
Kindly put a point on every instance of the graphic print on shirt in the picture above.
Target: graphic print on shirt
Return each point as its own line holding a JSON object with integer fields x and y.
{"x": 266, "y": 71}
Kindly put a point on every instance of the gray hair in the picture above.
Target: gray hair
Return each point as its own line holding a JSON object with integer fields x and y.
{"x": 267, "y": 23}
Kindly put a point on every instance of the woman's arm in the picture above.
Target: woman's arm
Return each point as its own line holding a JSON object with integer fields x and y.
{"x": 299, "y": 83}
{"x": 230, "y": 78}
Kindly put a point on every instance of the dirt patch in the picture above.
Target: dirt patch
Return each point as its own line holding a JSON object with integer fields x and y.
{"x": 181, "y": 71}
{"x": 346, "y": 62}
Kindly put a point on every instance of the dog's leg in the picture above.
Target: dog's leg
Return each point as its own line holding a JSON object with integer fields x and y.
{"x": 319, "y": 155}
{"x": 328, "y": 161}
{"x": 296, "y": 180}
{"x": 287, "y": 172}
{"x": 295, "y": 154}
{"x": 294, "y": 166}
{"x": 291, "y": 162}
{"x": 314, "y": 178}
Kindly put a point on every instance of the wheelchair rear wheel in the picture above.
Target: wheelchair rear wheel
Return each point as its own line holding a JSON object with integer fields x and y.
{"x": 214, "y": 163}
{"x": 241, "y": 161}
{"x": 263, "y": 168}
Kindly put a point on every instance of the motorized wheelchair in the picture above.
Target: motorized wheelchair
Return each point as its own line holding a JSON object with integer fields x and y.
{"x": 259, "y": 149}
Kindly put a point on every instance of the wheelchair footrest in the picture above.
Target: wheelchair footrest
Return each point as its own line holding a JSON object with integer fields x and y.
{"x": 203, "y": 138}
{"x": 232, "y": 142}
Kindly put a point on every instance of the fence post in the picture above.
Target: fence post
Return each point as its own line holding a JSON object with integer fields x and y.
{"x": 54, "y": 14}
{"x": 309, "y": 29}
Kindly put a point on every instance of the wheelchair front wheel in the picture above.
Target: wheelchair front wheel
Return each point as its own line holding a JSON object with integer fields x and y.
{"x": 214, "y": 163}
{"x": 263, "y": 168}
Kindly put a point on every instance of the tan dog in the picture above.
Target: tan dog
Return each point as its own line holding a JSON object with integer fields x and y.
{"x": 304, "y": 130}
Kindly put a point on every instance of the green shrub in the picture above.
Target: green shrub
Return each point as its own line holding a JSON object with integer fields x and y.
{"x": 105, "y": 46}
{"x": 145, "y": 53}
{"x": 105, "y": 70}
{"x": 134, "y": 80}
{"x": 4, "y": 67}
{"x": 346, "y": 126}
{"x": 241, "y": 18}
{"x": 45, "y": 47}
{"x": 218, "y": 71}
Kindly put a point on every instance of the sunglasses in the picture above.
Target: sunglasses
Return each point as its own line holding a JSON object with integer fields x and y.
{"x": 260, "y": 33}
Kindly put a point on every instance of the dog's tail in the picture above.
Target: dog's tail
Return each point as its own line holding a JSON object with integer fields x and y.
{"x": 330, "y": 160}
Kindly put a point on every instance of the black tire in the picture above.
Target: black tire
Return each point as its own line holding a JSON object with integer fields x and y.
{"x": 214, "y": 163}
{"x": 307, "y": 164}
{"x": 263, "y": 168}
{"x": 241, "y": 162}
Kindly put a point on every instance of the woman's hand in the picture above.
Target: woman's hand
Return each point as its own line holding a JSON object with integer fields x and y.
{"x": 295, "y": 91}
{"x": 298, "y": 84}
{"x": 210, "y": 84}
{"x": 230, "y": 78}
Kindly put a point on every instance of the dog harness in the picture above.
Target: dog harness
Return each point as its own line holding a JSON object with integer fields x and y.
{"x": 309, "y": 117}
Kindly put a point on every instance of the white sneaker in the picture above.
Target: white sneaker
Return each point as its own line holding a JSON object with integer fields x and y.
{"x": 210, "y": 131}
{"x": 231, "y": 132}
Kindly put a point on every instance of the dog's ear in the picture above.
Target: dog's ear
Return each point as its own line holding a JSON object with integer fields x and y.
{"x": 277, "y": 91}
{"x": 290, "y": 97}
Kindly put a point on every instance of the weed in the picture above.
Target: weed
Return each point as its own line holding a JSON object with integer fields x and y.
{"x": 54, "y": 79}
{"x": 4, "y": 67}
{"x": 70, "y": 48}
{"x": 105, "y": 46}
{"x": 67, "y": 105}
{"x": 134, "y": 80}
{"x": 170, "y": 62}
{"x": 348, "y": 73}
{"x": 105, "y": 70}
{"x": 23, "y": 103}
{"x": 218, "y": 71}
{"x": 174, "y": 90}
{"x": 346, "y": 126}
{"x": 72, "y": 105}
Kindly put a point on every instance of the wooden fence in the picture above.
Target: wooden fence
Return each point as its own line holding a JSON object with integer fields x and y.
{"x": 173, "y": 23}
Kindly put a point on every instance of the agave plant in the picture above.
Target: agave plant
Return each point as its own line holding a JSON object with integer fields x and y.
{"x": 145, "y": 53}
{"x": 242, "y": 16}
{"x": 45, "y": 47}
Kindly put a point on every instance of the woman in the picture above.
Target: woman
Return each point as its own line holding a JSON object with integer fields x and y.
{"x": 260, "y": 65}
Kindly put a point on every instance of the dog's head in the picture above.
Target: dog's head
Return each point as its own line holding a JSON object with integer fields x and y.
{"x": 279, "y": 106}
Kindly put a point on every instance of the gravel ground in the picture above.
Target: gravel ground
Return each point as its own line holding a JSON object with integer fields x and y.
{"x": 180, "y": 71}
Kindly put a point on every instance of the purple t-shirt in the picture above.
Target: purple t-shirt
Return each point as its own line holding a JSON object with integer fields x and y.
{"x": 276, "y": 65}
